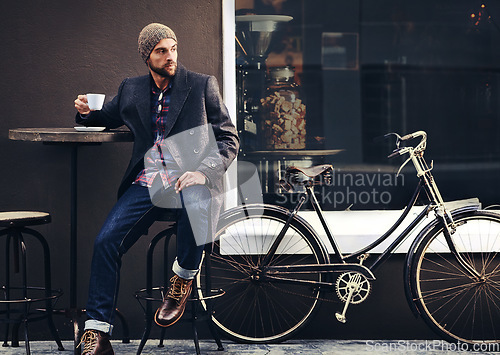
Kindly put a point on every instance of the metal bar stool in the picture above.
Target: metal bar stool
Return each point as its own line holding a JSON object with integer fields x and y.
{"x": 14, "y": 227}
{"x": 152, "y": 294}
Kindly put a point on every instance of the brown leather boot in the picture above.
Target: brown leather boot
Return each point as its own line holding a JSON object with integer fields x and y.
{"x": 96, "y": 343}
{"x": 174, "y": 303}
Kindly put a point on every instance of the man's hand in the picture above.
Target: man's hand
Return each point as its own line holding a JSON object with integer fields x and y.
{"x": 81, "y": 104}
{"x": 189, "y": 178}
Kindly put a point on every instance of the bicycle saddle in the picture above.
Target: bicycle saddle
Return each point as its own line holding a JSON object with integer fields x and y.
{"x": 310, "y": 172}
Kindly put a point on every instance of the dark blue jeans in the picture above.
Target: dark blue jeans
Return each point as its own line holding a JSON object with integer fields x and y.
{"x": 126, "y": 223}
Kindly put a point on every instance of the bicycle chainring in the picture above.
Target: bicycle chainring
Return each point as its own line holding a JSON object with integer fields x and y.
{"x": 353, "y": 280}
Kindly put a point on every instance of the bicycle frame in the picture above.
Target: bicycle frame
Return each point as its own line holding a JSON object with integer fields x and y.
{"x": 343, "y": 262}
{"x": 339, "y": 257}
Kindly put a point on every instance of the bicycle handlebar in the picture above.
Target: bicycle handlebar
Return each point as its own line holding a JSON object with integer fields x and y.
{"x": 415, "y": 135}
{"x": 420, "y": 147}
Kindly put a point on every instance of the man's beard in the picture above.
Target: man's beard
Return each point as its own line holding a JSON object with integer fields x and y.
{"x": 166, "y": 71}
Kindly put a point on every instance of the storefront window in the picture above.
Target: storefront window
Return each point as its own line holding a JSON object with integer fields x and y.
{"x": 319, "y": 81}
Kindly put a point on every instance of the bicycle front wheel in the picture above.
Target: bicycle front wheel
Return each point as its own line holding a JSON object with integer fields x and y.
{"x": 254, "y": 308}
{"x": 457, "y": 305}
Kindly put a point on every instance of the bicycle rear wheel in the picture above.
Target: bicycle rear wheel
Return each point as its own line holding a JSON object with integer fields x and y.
{"x": 255, "y": 309}
{"x": 456, "y": 305}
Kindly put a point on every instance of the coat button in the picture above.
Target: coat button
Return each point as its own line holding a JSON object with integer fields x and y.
{"x": 191, "y": 132}
{"x": 196, "y": 151}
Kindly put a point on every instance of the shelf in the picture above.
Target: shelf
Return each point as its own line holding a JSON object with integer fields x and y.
{"x": 293, "y": 153}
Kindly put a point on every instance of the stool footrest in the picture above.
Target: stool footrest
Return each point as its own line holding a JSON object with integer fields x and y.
{"x": 140, "y": 294}
{"x": 55, "y": 294}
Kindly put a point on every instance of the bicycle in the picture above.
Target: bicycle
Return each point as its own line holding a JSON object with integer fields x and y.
{"x": 275, "y": 270}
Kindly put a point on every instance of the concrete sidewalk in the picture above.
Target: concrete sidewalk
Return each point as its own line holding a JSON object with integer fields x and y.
{"x": 292, "y": 347}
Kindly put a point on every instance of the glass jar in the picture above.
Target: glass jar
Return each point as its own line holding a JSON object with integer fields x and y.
{"x": 283, "y": 120}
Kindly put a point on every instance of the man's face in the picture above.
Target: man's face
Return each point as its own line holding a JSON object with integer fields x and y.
{"x": 163, "y": 58}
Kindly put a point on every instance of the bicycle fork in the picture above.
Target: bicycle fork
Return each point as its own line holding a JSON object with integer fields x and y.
{"x": 466, "y": 265}
{"x": 449, "y": 227}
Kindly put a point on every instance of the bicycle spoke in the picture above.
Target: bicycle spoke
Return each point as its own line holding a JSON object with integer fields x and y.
{"x": 437, "y": 294}
{"x": 462, "y": 311}
{"x": 446, "y": 260}
{"x": 280, "y": 316}
{"x": 253, "y": 308}
{"x": 237, "y": 266}
{"x": 235, "y": 306}
{"x": 456, "y": 304}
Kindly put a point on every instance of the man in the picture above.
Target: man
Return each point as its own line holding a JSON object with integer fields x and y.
{"x": 171, "y": 101}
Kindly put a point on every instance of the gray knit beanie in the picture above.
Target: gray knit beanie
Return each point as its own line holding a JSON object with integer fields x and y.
{"x": 150, "y": 36}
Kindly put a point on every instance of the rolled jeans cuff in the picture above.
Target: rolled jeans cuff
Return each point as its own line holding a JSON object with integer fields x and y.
{"x": 183, "y": 273}
{"x": 98, "y": 325}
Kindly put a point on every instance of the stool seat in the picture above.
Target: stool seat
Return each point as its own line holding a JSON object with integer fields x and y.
{"x": 23, "y": 218}
{"x": 17, "y": 300}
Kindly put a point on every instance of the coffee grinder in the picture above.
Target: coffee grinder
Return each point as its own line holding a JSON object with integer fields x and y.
{"x": 255, "y": 35}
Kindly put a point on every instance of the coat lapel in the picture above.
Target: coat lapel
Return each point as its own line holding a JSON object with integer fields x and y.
{"x": 180, "y": 92}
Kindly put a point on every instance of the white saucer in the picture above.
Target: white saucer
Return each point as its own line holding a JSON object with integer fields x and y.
{"x": 89, "y": 129}
{"x": 259, "y": 18}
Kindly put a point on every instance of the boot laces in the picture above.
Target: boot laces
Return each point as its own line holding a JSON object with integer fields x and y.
{"x": 178, "y": 288}
{"x": 89, "y": 338}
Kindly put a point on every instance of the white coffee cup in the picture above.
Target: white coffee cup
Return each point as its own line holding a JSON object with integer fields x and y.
{"x": 95, "y": 101}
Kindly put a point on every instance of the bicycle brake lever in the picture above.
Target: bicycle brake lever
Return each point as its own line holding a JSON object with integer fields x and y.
{"x": 394, "y": 153}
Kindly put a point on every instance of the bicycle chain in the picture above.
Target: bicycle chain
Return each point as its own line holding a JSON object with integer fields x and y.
{"x": 309, "y": 296}
{"x": 361, "y": 258}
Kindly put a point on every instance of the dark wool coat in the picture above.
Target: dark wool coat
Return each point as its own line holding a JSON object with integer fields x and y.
{"x": 196, "y": 104}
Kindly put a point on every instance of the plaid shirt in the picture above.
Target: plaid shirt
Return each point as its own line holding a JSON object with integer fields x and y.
{"x": 159, "y": 160}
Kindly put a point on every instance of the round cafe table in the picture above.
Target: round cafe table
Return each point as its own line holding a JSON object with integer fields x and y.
{"x": 73, "y": 139}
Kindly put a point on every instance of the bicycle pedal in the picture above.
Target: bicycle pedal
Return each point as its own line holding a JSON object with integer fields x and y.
{"x": 340, "y": 317}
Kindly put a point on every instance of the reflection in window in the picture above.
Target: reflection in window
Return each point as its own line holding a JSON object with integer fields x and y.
{"x": 319, "y": 80}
